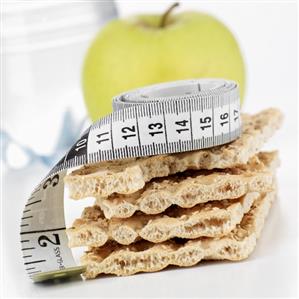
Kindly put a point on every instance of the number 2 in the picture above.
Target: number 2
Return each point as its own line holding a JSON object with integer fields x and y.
{"x": 44, "y": 240}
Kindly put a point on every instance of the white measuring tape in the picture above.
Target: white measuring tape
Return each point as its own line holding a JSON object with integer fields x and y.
{"x": 159, "y": 119}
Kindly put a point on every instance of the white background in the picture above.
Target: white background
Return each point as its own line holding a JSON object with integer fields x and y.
{"x": 267, "y": 33}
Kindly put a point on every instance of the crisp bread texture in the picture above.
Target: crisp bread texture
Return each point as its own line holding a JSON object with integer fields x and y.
{"x": 193, "y": 187}
{"x": 128, "y": 176}
{"x": 144, "y": 256}
{"x": 212, "y": 219}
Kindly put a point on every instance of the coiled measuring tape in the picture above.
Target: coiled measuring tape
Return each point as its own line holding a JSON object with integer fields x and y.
{"x": 159, "y": 119}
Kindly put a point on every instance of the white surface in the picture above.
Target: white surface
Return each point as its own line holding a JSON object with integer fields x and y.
{"x": 267, "y": 34}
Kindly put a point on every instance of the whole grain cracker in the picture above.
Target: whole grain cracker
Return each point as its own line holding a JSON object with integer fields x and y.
{"x": 144, "y": 256}
{"x": 128, "y": 176}
{"x": 212, "y": 219}
{"x": 188, "y": 189}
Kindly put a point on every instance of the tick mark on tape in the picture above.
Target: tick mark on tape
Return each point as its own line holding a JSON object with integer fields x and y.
{"x": 36, "y": 190}
{"x": 34, "y": 272}
{"x": 28, "y": 248}
{"x": 42, "y": 231}
{"x": 32, "y": 203}
{"x": 34, "y": 262}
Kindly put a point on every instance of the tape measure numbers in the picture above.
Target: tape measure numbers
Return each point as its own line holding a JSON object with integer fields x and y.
{"x": 159, "y": 119}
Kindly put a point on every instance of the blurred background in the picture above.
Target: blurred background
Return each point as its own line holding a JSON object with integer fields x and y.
{"x": 43, "y": 112}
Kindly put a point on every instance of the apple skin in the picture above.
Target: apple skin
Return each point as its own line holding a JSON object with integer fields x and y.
{"x": 135, "y": 52}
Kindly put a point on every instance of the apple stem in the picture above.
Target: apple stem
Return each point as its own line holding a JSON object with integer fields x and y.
{"x": 167, "y": 13}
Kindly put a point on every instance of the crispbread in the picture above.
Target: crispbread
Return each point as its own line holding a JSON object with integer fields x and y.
{"x": 144, "y": 256}
{"x": 188, "y": 189}
{"x": 212, "y": 219}
{"x": 128, "y": 176}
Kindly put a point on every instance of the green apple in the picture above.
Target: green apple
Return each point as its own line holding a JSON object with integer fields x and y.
{"x": 149, "y": 49}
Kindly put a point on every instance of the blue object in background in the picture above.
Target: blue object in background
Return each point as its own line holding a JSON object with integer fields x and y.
{"x": 44, "y": 45}
{"x": 69, "y": 133}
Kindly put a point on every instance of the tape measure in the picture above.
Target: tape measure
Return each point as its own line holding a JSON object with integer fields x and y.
{"x": 158, "y": 119}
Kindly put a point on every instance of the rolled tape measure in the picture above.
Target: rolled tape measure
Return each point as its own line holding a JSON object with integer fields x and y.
{"x": 159, "y": 119}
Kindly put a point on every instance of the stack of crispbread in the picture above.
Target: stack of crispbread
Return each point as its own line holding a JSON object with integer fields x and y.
{"x": 177, "y": 209}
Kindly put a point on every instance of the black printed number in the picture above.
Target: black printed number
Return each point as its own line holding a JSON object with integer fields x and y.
{"x": 205, "y": 122}
{"x": 44, "y": 240}
{"x": 53, "y": 181}
{"x": 183, "y": 125}
{"x": 224, "y": 117}
{"x": 155, "y": 128}
{"x": 131, "y": 131}
{"x": 236, "y": 115}
{"x": 102, "y": 137}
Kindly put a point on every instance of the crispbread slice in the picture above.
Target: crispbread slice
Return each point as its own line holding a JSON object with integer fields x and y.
{"x": 144, "y": 256}
{"x": 212, "y": 219}
{"x": 128, "y": 176}
{"x": 188, "y": 189}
